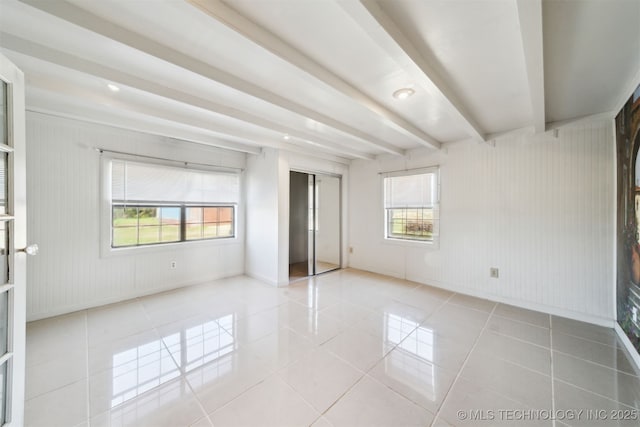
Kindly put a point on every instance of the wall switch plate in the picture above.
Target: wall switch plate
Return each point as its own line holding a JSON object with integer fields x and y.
{"x": 494, "y": 272}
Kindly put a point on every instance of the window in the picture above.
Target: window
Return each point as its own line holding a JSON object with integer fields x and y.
{"x": 154, "y": 204}
{"x": 411, "y": 205}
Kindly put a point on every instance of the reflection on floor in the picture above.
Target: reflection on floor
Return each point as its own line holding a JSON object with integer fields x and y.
{"x": 301, "y": 269}
{"x": 346, "y": 348}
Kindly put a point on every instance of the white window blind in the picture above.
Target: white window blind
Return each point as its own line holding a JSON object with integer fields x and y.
{"x": 142, "y": 182}
{"x": 410, "y": 191}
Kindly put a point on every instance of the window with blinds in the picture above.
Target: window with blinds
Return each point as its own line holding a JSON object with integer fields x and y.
{"x": 154, "y": 204}
{"x": 411, "y": 205}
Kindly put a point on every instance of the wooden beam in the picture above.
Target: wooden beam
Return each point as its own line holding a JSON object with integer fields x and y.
{"x": 530, "y": 18}
{"x": 93, "y": 23}
{"x": 417, "y": 64}
{"x": 224, "y": 14}
{"x": 121, "y": 77}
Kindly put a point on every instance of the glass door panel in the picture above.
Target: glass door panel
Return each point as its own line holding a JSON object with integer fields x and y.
{"x": 327, "y": 223}
{"x": 12, "y": 235}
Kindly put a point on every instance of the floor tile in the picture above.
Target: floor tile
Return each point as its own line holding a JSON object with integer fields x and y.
{"x": 458, "y": 321}
{"x": 57, "y": 372}
{"x": 612, "y": 357}
{"x": 358, "y": 348}
{"x": 473, "y": 302}
{"x": 522, "y": 315}
{"x": 505, "y": 378}
{"x": 344, "y": 348}
{"x": 585, "y": 330}
{"x": 135, "y": 372}
{"x": 346, "y": 312}
{"x": 522, "y": 331}
{"x": 470, "y": 404}
{"x": 104, "y": 356}
{"x": 281, "y": 348}
{"x": 222, "y": 380}
{"x": 445, "y": 351}
{"x": 515, "y": 351}
{"x": 66, "y": 406}
{"x": 370, "y": 403}
{"x": 318, "y": 327}
{"x": 414, "y": 377}
{"x": 116, "y": 321}
{"x": 612, "y": 384}
{"x": 172, "y": 404}
{"x": 320, "y": 378}
{"x": 46, "y": 337}
{"x": 270, "y": 403}
{"x": 590, "y": 409}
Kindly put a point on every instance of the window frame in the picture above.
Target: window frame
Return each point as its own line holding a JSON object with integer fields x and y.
{"x": 106, "y": 209}
{"x": 434, "y": 243}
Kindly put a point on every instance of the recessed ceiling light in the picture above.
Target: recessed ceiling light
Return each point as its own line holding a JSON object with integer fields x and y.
{"x": 286, "y": 137}
{"x": 403, "y": 93}
{"x": 113, "y": 88}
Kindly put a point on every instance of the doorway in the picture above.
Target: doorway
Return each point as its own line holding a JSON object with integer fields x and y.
{"x": 314, "y": 224}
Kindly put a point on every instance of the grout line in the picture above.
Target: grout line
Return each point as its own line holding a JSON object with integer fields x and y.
{"x": 464, "y": 363}
{"x": 596, "y": 394}
{"x": 553, "y": 386}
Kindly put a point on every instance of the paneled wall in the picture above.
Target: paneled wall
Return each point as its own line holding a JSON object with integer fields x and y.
{"x": 538, "y": 208}
{"x": 63, "y": 179}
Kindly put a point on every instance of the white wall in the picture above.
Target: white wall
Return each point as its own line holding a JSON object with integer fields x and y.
{"x": 262, "y": 182}
{"x": 63, "y": 180}
{"x": 538, "y": 208}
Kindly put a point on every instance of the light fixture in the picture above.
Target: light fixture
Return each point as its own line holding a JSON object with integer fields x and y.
{"x": 286, "y": 137}
{"x": 403, "y": 93}
{"x": 113, "y": 88}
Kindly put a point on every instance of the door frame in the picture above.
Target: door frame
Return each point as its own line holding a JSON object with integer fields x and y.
{"x": 17, "y": 236}
{"x": 340, "y": 176}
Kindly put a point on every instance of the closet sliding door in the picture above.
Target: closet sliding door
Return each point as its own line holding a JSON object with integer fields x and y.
{"x": 327, "y": 227}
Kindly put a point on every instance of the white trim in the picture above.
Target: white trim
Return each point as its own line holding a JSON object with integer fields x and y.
{"x": 614, "y": 201}
{"x": 631, "y": 351}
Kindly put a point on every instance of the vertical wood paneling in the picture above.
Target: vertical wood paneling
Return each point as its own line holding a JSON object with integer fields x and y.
{"x": 63, "y": 199}
{"x": 537, "y": 207}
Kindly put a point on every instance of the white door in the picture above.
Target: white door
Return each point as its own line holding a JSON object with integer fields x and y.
{"x": 13, "y": 239}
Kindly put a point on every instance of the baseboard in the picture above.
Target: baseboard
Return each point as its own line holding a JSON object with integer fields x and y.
{"x": 261, "y": 278}
{"x": 555, "y": 311}
{"x": 631, "y": 351}
{"x": 72, "y": 308}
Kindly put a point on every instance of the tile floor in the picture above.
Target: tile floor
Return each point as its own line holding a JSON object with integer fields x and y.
{"x": 347, "y": 348}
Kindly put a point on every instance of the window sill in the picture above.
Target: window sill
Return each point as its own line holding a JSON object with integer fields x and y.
{"x": 428, "y": 245}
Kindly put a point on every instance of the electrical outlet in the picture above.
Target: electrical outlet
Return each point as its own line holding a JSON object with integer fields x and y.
{"x": 173, "y": 265}
{"x": 494, "y": 272}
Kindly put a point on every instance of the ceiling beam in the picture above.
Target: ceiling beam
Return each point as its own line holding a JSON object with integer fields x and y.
{"x": 117, "y": 76}
{"x": 608, "y": 115}
{"x": 418, "y": 64}
{"x": 195, "y": 125}
{"x": 95, "y": 24}
{"x": 259, "y": 35}
{"x": 54, "y": 105}
{"x": 530, "y": 19}
{"x": 64, "y": 109}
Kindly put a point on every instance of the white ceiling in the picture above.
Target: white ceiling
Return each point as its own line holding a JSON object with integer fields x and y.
{"x": 242, "y": 74}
